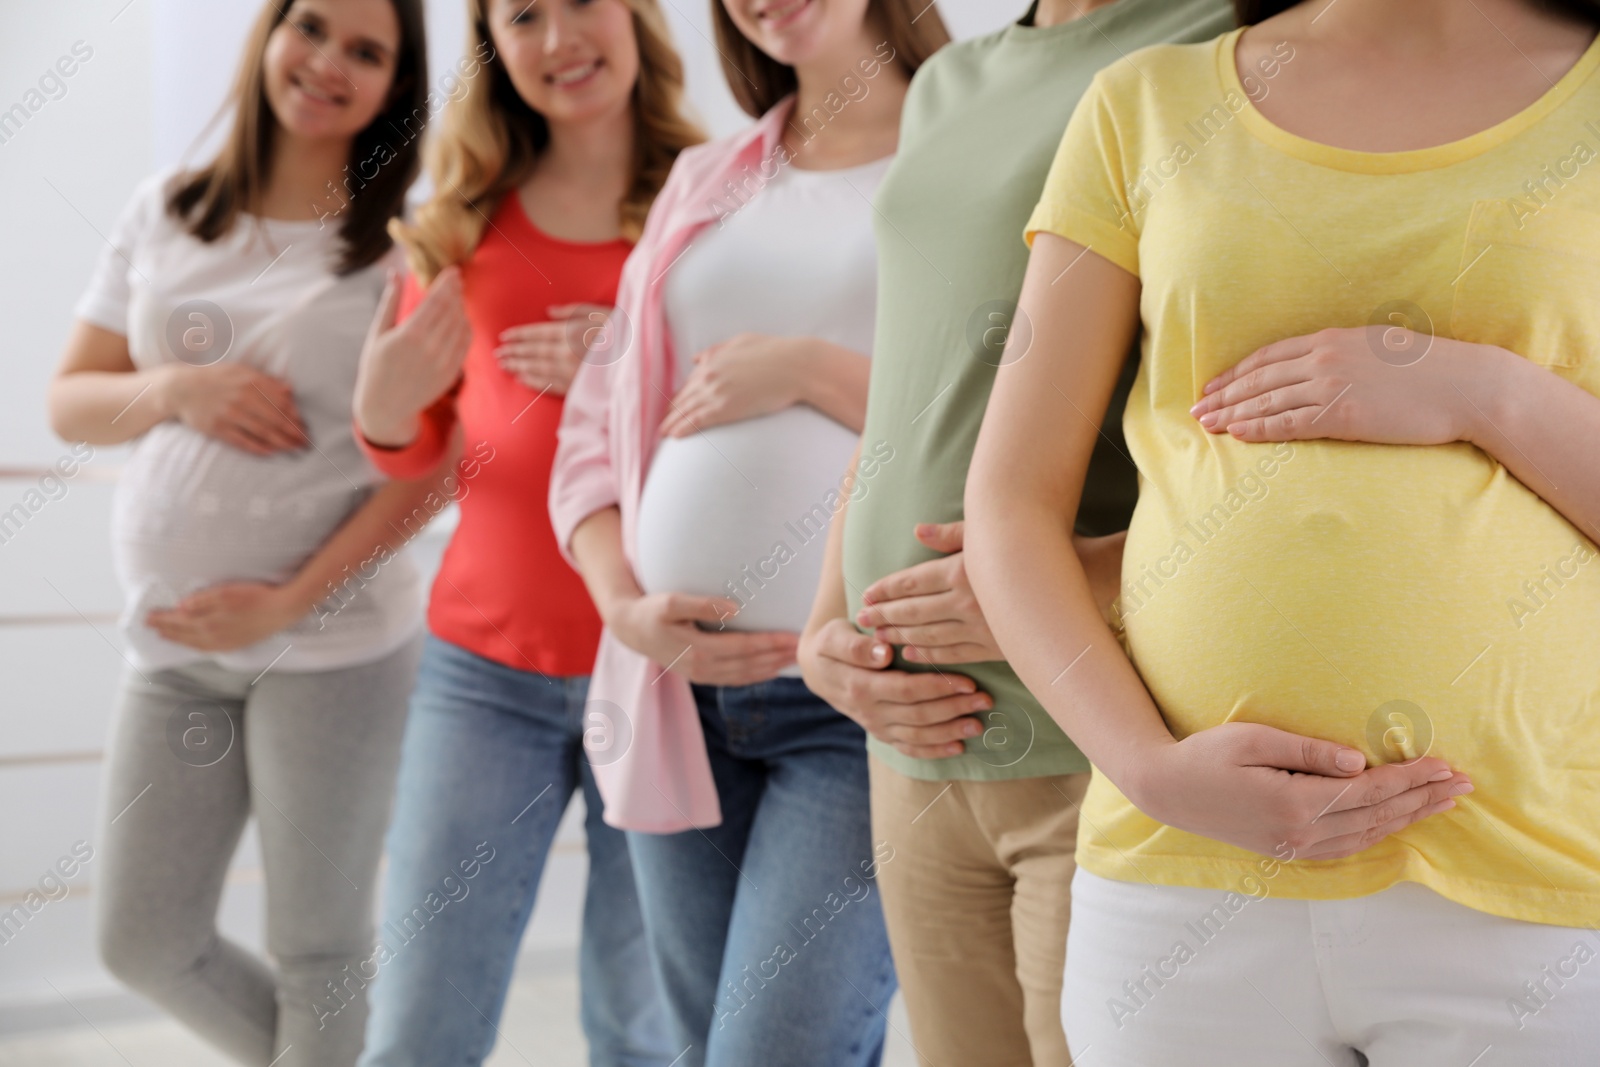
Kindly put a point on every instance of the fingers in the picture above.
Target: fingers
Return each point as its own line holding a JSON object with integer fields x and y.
{"x": 940, "y": 741}
{"x": 705, "y": 354}
{"x": 260, "y": 430}
{"x": 446, "y": 285}
{"x": 1296, "y": 425}
{"x": 539, "y": 356}
{"x": 456, "y": 342}
{"x": 179, "y": 626}
{"x": 1289, "y": 348}
{"x": 687, "y": 607}
{"x": 276, "y": 422}
{"x": 923, "y": 579}
{"x": 693, "y": 408}
{"x": 1267, "y": 746}
{"x": 691, "y": 411}
{"x": 931, "y": 711}
{"x": 546, "y": 334}
{"x": 440, "y": 313}
{"x": 941, "y": 536}
{"x": 230, "y": 434}
{"x": 1252, "y": 386}
{"x": 1352, "y": 843}
{"x": 583, "y": 312}
{"x": 1364, "y": 818}
{"x": 747, "y": 671}
{"x": 841, "y": 641}
{"x": 1307, "y": 399}
{"x": 947, "y": 631}
{"x": 919, "y": 698}
{"x": 735, "y": 648}
{"x": 1379, "y": 785}
{"x": 540, "y": 379}
{"x": 388, "y": 305}
{"x": 902, "y": 615}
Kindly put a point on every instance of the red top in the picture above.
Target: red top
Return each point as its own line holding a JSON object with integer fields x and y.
{"x": 503, "y": 590}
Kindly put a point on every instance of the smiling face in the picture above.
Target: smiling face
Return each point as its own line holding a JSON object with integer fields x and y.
{"x": 329, "y": 66}
{"x": 569, "y": 60}
{"x": 799, "y": 33}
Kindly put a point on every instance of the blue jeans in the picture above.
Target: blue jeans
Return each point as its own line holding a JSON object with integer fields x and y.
{"x": 490, "y": 759}
{"x": 766, "y": 932}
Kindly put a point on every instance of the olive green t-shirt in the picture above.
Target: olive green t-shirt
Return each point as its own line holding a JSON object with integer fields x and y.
{"x": 980, "y": 127}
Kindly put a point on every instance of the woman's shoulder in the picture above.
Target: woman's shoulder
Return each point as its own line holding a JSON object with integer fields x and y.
{"x": 1165, "y": 75}
{"x": 708, "y": 155}
{"x": 148, "y": 201}
{"x": 699, "y": 168}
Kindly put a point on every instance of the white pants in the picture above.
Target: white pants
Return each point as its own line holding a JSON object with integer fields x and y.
{"x": 1160, "y": 975}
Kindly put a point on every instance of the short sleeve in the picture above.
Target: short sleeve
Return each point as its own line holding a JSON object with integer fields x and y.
{"x": 104, "y": 302}
{"x": 1085, "y": 196}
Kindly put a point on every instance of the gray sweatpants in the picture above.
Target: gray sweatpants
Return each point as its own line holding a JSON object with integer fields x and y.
{"x": 194, "y": 753}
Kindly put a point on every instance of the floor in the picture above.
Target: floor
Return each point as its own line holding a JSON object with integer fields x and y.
{"x": 539, "y": 1029}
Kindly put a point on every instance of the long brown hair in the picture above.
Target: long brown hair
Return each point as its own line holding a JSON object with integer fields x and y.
{"x": 209, "y": 200}
{"x": 758, "y": 81}
{"x": 1249, "y": 12}
{"x": 489, "y": 141}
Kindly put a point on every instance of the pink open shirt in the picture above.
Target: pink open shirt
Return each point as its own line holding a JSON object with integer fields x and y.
{"x": 651, "y": 764}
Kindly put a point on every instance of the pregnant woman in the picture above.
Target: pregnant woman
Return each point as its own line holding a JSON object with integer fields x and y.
{"x": 1365, "y": 426}
{"x": 694, "y": 486}
{"x": 543, "y": 170}
{"x": 272, "y": 622}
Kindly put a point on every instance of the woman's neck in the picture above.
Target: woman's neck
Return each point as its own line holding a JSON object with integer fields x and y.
{"x": 842, "y": 116}
{"x": 298, "y": 182}
{"x": 581, "y": 177}
{"x": 1055, "y": 12}
{"x": 1420, "y": 25}
{"x": 597, "y": 151}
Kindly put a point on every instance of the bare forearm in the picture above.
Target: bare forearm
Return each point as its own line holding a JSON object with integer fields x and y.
{"x": 1544, "y": 430}
{"x": 1019, "y": 554}
{"x": 597, "y": 547}
{"x": 1023, "y": 488}
{"x": 830, "y": 602}
{"x": 394, "y": 514}
{"x": 109, "y": 407}
{"x": 833, "y": 379}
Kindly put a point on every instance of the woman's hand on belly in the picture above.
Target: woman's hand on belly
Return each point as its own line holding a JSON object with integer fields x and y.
{"x": 1276, "y": 793}
{"x": 749, "y": 374}
{"x": 930, "y": 608}
{"x": 663, "y": 627}
{"x": 227, "y": 616}
{"x": 925, "y": 715}
{"x": 545, "y": 356}
{"x": 237, "y": 405}
{"x": 1381, "y": 384}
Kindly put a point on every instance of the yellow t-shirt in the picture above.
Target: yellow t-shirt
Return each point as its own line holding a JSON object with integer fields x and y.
{"x": 1398, "y": 599}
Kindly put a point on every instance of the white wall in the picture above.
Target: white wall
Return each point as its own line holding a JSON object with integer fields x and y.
{"x": 156, "y": 74}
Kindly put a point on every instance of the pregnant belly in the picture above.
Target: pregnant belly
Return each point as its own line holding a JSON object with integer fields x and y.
{"x": 742, "y": 511}
{"x": 1396, "y": 600}
{"x": 191, "y": 511}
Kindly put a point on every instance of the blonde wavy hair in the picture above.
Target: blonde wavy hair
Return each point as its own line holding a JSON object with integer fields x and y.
{"x": 489, "y": 141}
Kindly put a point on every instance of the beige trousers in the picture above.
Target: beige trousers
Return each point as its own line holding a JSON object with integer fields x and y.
{"x": 977, "y": 903}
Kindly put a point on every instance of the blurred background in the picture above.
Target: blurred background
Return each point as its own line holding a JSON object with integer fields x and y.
{"x": 149, "y": 77}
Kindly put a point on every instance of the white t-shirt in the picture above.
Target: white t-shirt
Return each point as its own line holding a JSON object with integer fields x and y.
{"x": 190, "y": 511}
{"x": 742, "y": 510}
